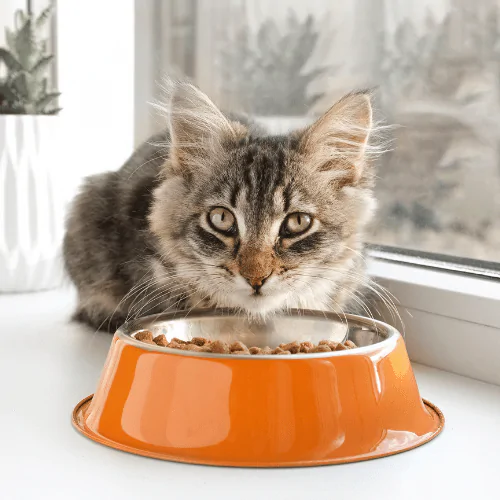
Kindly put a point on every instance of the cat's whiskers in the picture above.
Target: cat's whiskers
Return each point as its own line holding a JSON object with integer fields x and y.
{"x": 160, "y": 289}
{"x": 152, "y": 282}
{"x": 381, "y": 292}
{"x": 199, "y": 302}
{"x": 110, "y": 317}
{"x": 354, "y": 297}
{"x": 364, "y": 281}
{"x": 163, "y": 292}
{"x": 341, "y": 310}
{"x": 364, "y": 276}
{"x": 165, "y": 296}
{"x": 142, "y": 290}
{"x": 156, "y": 299}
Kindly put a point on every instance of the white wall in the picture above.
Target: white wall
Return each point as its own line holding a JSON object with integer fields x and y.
{"x": 96, "y": 78}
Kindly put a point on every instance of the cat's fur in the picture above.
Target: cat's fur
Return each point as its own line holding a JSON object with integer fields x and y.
{"x": 138, "y": 241}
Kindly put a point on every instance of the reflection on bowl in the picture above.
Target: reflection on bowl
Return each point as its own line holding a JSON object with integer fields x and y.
{"x": 259, "y": 411}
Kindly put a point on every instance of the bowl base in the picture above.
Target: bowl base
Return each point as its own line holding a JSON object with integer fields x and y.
{"x": 409, "y": 443}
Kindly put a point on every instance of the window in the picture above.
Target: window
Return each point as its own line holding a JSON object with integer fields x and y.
{"x": 436, "y": 69}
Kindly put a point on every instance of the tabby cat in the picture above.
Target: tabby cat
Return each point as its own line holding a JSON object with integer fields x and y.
{"x": 215, "y": 212}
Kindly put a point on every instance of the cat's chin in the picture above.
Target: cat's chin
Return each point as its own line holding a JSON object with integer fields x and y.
{"x": 256, "y": 305}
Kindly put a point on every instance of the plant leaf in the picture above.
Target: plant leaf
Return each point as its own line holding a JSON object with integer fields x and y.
{"x": 12, "y": 109}
{"x": 46, "y": 100}
{"x": 7, "y": 93}
{"x": 10, "y": 39}
{"x": 52, "y": 111}
{"x": 24, "y": 88}
{"x": 26, "y": 44}
{"x": 10, "y": 60}
{"x": 44, "y": 16}
{"x": 40, "y": 66}
{"x": 19, "y": 18}
{"x": 20, "y": 85}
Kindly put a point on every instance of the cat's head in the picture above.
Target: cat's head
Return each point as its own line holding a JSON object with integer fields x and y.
{"x": 262, "y": 223}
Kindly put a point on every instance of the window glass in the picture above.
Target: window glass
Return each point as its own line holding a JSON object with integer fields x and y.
{"x": 435, "y": 67}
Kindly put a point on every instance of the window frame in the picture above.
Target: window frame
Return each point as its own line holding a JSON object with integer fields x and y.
{"x": 463, "y": 265}
{"x": 452, "y": 319}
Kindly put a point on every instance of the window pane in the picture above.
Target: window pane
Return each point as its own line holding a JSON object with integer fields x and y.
{"x": 436, "y": 68}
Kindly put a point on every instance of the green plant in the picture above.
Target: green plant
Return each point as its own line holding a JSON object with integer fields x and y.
{"x": 24, "y": 89}
{"x": 268, "y": 72}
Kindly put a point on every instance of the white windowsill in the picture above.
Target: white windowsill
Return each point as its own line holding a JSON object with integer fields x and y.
{"x": 47, "y": 365}
{"x": 452, "y": 322}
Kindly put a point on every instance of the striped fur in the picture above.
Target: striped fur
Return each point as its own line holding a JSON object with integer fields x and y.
{"x": 139, "y": 240}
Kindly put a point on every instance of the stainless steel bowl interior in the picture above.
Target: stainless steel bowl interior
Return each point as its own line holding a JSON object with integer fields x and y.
{"x": 228, "y": 326}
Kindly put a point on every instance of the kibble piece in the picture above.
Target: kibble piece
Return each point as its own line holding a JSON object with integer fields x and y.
{"x": 321, "y": 348}
{"x": 306, "y": 346}
{"x": 174, "y": 345}
{"x": 238, "y": 346}
{"x": 220, "y": 347}
{"x": 193, "y": 347}
{"x": 161, "y": 340}
{"x": 293, "y": 347}
{"x": 201, "y": 344}
{"x": 278, "y": 350}
{"x": 179, "y": 341}
{"x": 199, "y": 348}
{"x": 330, "y": 343}
{"x": 144, "y": 336}
{"x": 199, "y": 341}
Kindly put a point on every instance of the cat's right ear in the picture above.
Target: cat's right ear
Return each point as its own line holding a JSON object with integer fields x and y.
{"x": 337, "y": 143}
{"x": 199, "y": 131}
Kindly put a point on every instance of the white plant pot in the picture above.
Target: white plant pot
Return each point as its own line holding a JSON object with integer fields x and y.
{"x": 278, "y": 125}
{"x": 32, "y": 203}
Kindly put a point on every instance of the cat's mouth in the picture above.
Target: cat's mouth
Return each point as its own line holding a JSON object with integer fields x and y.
{"x": 257, "y": 302}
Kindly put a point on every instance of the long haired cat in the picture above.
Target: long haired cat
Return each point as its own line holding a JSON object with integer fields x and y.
{"x": 225, "y": 215}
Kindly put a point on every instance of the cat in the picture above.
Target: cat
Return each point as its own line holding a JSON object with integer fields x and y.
{"x": 215, "y": 212}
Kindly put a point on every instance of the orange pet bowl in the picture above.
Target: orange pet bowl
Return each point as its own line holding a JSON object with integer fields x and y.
{"x": 259, "y": 411}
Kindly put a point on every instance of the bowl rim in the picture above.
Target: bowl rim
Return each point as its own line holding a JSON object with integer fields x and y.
{"x": 129, "y": 328}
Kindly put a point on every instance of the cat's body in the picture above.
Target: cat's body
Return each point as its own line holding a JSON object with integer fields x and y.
{"x": 223, "y": 215}
{"x": 108, "y": 247}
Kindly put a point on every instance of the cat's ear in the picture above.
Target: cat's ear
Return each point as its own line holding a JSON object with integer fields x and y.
{"x": 198, "y": 129}
{"x": 337, "y": 142}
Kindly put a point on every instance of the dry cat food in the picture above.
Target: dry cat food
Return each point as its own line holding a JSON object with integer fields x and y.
{"x": 200, "y": 344}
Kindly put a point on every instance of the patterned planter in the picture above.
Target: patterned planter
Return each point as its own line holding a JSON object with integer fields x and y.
{"x": 32, "y": 202}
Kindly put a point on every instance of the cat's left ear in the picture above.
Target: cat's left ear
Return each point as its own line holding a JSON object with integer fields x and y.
{"x": 198, "y": 129}
{"x": 337, "y": 142}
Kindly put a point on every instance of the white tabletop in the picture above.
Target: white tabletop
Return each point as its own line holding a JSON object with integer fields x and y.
{"x": 48, "y": 364}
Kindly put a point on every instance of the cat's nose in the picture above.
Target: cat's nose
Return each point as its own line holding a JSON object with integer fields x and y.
{"x": 256, "y": 282}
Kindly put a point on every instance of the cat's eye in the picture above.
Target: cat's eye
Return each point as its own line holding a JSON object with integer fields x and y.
{"x": 295, "y": 224}
{"x": 222, "y": 220}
